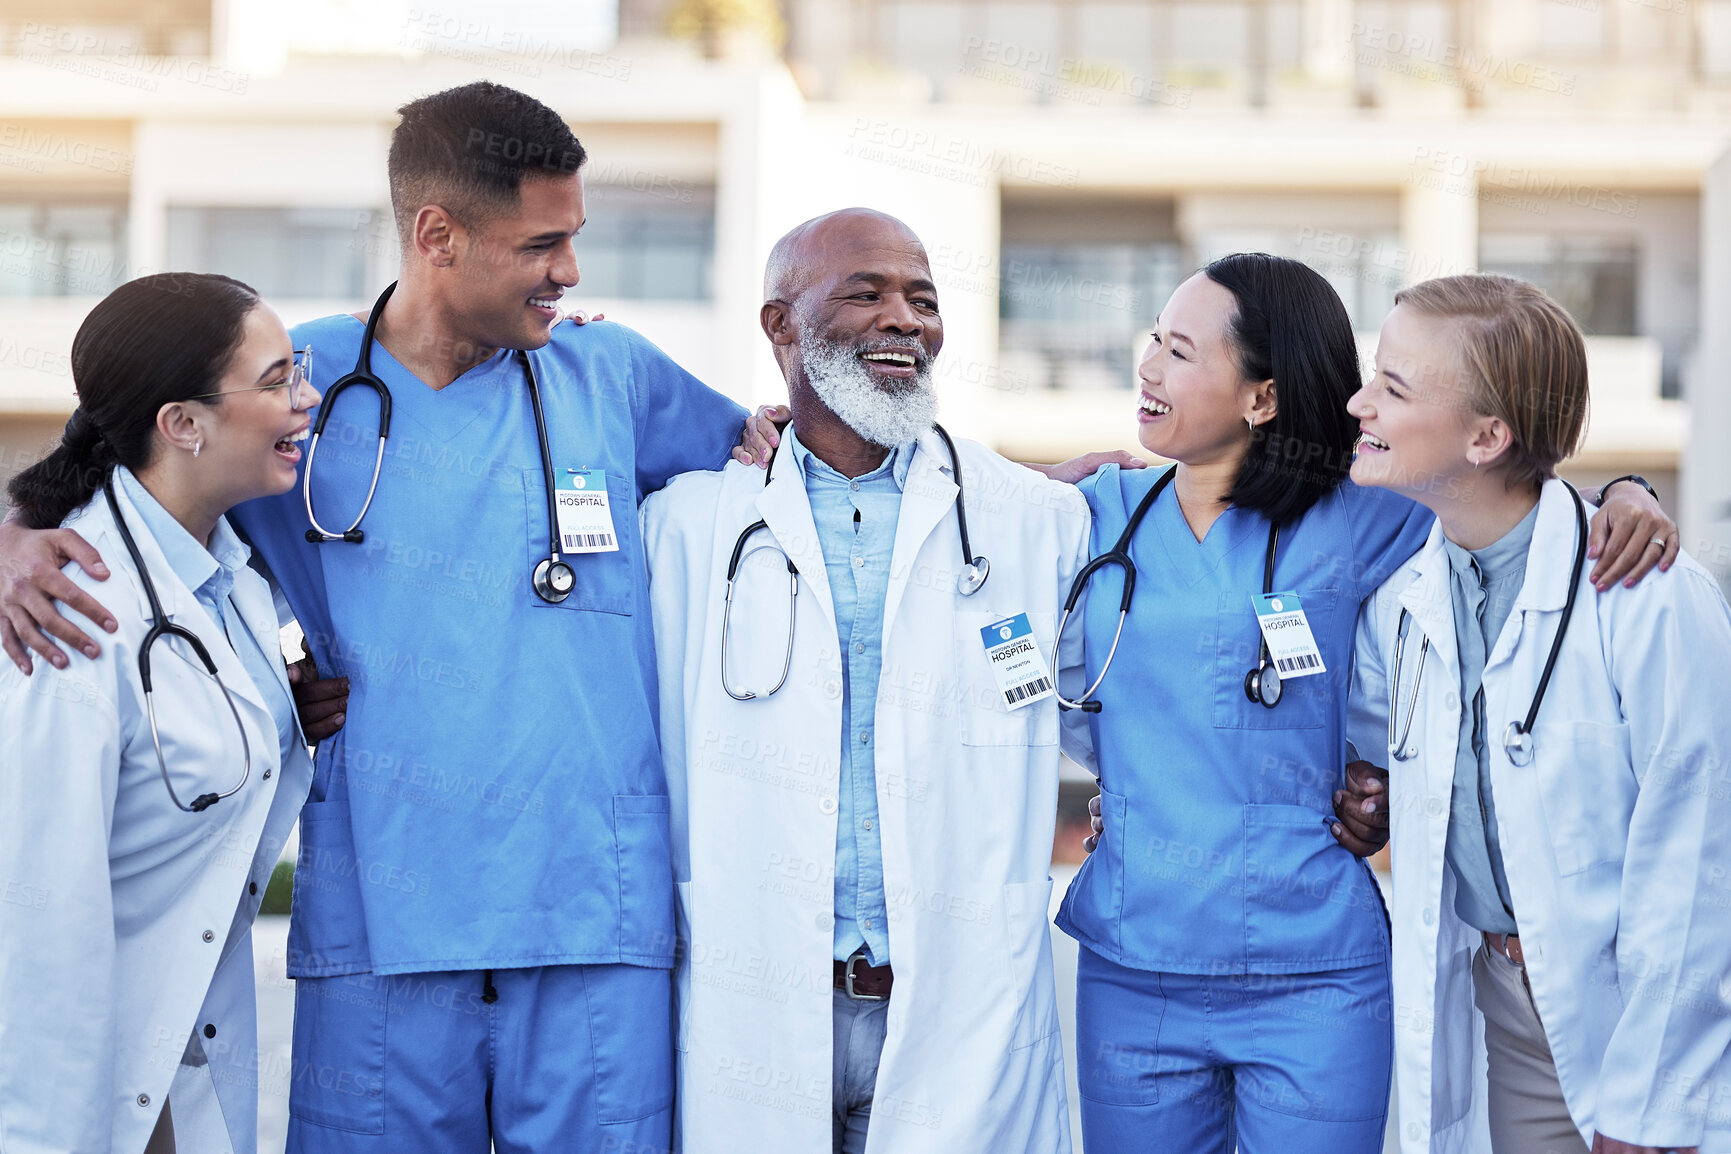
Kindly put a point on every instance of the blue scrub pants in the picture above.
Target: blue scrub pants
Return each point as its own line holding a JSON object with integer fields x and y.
{"x": 567, "y": 1058}
{"x": 1293, "y": 1063}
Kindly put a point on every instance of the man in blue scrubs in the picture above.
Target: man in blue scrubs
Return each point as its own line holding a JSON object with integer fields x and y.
{"x": 483, "y": 909}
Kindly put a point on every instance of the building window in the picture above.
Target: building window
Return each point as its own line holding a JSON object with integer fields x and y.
{"x": 1594, "y": 277}
{"x": 61, "y": 250}
{"x": 1080, "y": 307}
{"x": 322, "y": 253}
{"x": 652, "y": 243}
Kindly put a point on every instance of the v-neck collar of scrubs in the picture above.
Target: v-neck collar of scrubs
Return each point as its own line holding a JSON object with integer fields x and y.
{"x": 442, "y": 412}
{"x": 1188, "y": 559}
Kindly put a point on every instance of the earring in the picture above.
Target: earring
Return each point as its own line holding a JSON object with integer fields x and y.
{"x": 196, "y": 446}
{"x": 1250, "y": 423}
{"x": 1475, "y": 466}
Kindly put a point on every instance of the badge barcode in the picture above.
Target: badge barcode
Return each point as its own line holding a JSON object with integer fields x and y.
{"x": 1302, "y": 661}
{"x": 1023, "y": 692}
{"x": 576, "y": 541}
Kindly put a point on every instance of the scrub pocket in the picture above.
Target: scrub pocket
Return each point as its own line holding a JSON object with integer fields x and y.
{"x": 326, "y": 905}
{"x": 339, "y": 1052}
{"x": 644, "y": 844}
{"x": 1292, "y": 882}
{"x": 606, "y": 582}
{"x": 1119, "y": 1013}
{"x": 631, "y": 1032}
{"x": 1305, "y": 702}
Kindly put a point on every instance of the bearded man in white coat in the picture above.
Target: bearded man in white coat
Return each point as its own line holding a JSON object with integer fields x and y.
{"x": 863, "y": 809}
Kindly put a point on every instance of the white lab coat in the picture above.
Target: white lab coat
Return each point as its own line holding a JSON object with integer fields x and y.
{"x": 1614, "y": 839}
{"x": 125, "y": 923}
{"x": 966, "y": 795}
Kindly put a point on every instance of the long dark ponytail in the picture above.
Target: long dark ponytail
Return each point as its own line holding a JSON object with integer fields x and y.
{"x": 152, "y": 341}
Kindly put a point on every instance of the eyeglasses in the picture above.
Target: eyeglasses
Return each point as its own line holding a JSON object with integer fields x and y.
{"x": 299, "y": 380}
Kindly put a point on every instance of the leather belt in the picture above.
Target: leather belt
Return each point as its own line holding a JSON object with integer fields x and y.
{"x": 863, "y": 983}
{"x": 1508, "y": 945}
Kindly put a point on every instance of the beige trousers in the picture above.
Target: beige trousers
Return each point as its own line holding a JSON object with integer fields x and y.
{"x": 1527, "y": 1111}
{"x": 161, "y": 1138}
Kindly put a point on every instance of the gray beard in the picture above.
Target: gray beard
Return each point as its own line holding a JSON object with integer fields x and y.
{"x": 891, "y": 415}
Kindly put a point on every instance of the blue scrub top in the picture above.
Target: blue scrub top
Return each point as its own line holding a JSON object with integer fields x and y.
{"x": 496, "y": 796}
{"x": 1217, "y": 856}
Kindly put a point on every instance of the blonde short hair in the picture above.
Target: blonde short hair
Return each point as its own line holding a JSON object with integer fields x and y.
{"x": 1525, "y": 362}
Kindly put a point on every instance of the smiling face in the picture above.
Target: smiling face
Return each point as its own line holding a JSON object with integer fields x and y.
{"x": 250, "y": 436}
{"x": 1194, "y": 398}
{"x": 1419, "y": 432}
{"x": 513, "y": 269}
{"x": 864, "y": 329}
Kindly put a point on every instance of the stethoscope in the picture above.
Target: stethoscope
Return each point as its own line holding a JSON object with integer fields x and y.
{"x": 553, "y": 578}
{"x": 1518, "y": 737}
{"x": 1261, "y": 685}
{"x": 160, "y": 627}
{"x": 975, "y": 570}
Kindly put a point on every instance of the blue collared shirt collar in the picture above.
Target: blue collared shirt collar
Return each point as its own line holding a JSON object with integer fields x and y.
{"x": 196, "y": 566}
{"x": 896, "y": 464}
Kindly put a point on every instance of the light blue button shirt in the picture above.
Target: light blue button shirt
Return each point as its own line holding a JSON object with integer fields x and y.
{"x": 209, "y": 573}
{"x": 856, "y": 528}
{"x": 1484, "y": 584}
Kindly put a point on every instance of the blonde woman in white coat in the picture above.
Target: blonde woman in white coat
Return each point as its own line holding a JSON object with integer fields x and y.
{"x": 138, "y": 827}
{"x": 1560, "y": 878}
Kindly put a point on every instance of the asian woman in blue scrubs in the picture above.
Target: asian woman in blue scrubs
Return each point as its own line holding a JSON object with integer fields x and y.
{"x": 1233, "y": 987}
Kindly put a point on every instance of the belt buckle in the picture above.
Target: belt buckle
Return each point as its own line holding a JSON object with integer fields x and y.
{"x": 859, "y": 956}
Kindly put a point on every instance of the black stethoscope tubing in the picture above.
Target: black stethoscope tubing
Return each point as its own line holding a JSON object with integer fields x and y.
{"x": 975, "y": 570}
{"x": 1518, "y": 737}
{"x": 1261, "y": 685}
{"x": 160, "y": 627}
{"x": 553, "y": 578}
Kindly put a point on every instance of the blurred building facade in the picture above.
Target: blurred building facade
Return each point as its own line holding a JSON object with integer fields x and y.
{"x": 1066, "y": 161}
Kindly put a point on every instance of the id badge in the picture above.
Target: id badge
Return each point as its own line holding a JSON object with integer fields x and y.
{"x": 1291, "y": 645}
{"x": 585, "y": 518}
{"x": 1016, "y": 662}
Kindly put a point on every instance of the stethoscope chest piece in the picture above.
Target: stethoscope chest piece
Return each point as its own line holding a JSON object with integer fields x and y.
{"x": 973, "y": 576}
{"x": 1263, "y": 686}
{"x": 1518, "y": 744}
{"x": 554, "y": 580}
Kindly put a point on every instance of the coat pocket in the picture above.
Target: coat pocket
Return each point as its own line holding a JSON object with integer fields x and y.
{"x": 1587, "y": 786}
{"x": 1028, "y": 952}
{"x": 986, "y": 718}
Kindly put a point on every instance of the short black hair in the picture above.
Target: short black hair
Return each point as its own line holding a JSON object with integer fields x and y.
{"x": 469, "y": 149}
{"x": 1291, "y": 327}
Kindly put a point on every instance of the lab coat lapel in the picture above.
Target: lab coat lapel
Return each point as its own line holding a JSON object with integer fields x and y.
{"x": 1550, "y": 565}
{"x": 785, "y": 508}
{"x": 926, "y": 500}
{"x": 1428, "y": 599}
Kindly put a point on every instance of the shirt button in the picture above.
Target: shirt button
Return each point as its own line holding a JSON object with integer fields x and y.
{"x": 867, "y": 823}
{"x": 859, "y": 562}
{"x": 867, "y": 924}
{"x": 827, "y": 805}
{"x": 859, "y": 647}
{"x": 865, "y": 738}
{"x": 209, "y": 1030}
{"x": 854, "y": 485}
{"x": 209, "y": 936}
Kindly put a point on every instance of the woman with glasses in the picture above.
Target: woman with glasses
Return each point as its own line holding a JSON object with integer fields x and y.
{"x": 145, "y": 793}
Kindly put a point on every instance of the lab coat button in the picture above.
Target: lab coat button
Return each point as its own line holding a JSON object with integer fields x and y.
{"x": 209, "y": 1030}
{"x": 209, "y": 936}
{"x": 144, "y": 1099}
{"x": 827, "y": 805}
{"x": 252, "y": 887}
{"x": 1451, "y": 702}
{"x": 1430, "y": 917}
{"x": 832, "y": 688}
{"x": 267, "y": 775}
{"x": 825, "y": 921}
